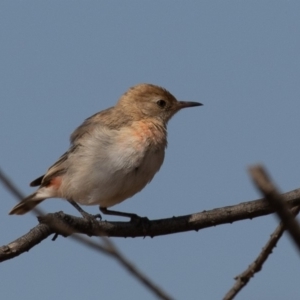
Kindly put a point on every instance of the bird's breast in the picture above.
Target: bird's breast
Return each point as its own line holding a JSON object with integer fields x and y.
{"x": 141, "y": 146}
{"x": 116, "y": 164}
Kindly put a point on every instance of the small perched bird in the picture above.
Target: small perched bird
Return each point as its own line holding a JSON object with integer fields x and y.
{"x": 112, "y": 155}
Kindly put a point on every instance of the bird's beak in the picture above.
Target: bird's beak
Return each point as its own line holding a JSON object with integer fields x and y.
{"x": 184, "y": 104}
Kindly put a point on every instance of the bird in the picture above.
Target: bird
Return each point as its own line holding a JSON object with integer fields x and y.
{"x": 113, "y": 154}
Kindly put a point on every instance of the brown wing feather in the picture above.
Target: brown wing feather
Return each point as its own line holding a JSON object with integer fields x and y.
{"x": 109, "y": 117}
{"x": 58, "y": 168}
{"x": 86, "y": 126}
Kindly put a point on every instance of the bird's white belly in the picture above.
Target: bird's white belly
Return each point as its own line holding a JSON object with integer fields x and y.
{"x": 115, "y": 173}
{"x": 127, "y": 182}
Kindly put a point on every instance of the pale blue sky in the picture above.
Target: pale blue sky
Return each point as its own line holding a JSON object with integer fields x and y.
{"x": 62, "y": 61}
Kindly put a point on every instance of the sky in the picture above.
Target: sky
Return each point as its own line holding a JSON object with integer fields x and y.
{"x": 62, "y": 61}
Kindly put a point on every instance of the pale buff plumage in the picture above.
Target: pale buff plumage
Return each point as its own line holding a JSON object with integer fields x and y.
{"x": 113, "y": 154}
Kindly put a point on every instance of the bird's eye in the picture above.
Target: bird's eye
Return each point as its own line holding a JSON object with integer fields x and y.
{"x": 161, "y": 103}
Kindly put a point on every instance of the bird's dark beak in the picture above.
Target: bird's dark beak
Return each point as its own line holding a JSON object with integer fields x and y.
{"x": 184, "y": 104}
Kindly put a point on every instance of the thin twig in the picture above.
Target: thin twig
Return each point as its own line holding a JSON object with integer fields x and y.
{"x": 264, "y": 184}
{"x": 110, "y": 249}
{"x": 25, "y": 243}
{"x": 243, "y": 278}
{"x": 10, "y": 186}
{"x": 196, "y": 221}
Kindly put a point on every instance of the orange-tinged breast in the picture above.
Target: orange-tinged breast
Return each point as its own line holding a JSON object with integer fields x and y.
{"x": 149, "y": 131}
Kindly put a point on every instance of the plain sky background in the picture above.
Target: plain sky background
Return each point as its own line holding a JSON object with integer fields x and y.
{"x": 62, "y": 61}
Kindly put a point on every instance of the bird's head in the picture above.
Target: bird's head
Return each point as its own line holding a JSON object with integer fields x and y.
{"x": 151, "y": 101}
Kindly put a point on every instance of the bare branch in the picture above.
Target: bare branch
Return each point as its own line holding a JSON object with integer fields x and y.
{"x": 26, "y": 242}
{"x": 243, "y": 278}
{"x": 10, "y": 186}
{"x": 264, "y": 184}
{"x": 42, "y": 231}
{"x": 110, "y": 249}
{"x": 61, "y": 223}
{"x": 56, "y": 222}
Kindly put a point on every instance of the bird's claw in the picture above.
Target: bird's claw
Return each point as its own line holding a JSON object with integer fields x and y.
{"x": 90, "y": 217}
{"x": 144, "y": 222}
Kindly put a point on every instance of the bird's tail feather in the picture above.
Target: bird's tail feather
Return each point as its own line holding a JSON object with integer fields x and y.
{"x": 26, "y": 204}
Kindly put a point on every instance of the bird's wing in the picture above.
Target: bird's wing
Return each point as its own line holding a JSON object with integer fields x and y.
{"x": 87, "y": 127}
{"x": 58, "y": 168}
{"x": 106, "y": 118}
{"x": 112, "y": 118}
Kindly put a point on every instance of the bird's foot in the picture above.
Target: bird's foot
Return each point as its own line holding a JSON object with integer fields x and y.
{"x": 136, "y": 219}
{"x": 90, "y": 217}
{"x": 143, "y": 222}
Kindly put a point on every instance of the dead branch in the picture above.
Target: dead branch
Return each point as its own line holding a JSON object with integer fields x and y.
{"x": 27, "y": 242}
{"x": 49, "y": 224}
{"x": 268, "y": 189}
{"x": 256, "y": 266}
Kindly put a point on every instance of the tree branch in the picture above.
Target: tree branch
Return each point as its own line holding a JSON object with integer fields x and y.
{"x": 43, "y": 231}
{"x": 263, "y": 183}
{"x": 65, "y": 224}
{"x": 110, "y": 249}
{"x": 256, "y": 266}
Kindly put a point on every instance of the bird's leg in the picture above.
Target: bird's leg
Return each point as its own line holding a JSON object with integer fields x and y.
{"x": 105, "y": 211}
{"x": 84, "y": 213}
{"x": 133, "y": 217}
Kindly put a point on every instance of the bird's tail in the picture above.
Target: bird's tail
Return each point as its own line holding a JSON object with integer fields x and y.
{"x": 26, "y": 204}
